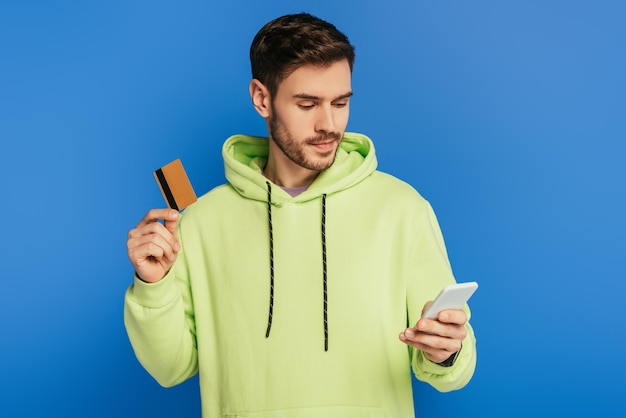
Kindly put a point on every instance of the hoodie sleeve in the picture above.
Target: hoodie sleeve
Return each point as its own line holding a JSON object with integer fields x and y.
{"x": 446, "y": 379}
{"x": 160, "y": 325}
{"x": 429, "y": 272}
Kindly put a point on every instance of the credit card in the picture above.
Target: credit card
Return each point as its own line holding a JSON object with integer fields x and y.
{"x": 175, "y": 185}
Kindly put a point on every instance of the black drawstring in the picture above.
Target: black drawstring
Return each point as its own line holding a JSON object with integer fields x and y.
{"x": 324, "y": 272}
{"x": 269, "y": 220}
{"x": 324, "y": 267}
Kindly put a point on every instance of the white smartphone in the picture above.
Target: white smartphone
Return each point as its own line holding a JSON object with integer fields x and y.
{"x": 453, "y": 296}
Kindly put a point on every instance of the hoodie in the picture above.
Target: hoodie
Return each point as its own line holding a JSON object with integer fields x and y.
{"x": 292, "y": 306}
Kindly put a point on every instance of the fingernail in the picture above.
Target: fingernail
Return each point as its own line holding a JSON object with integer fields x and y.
{"x": 421, "y": 325}
{"x": 409, "y": 333}
{"x": 176, "y": 247}
{"x": 444, "y": 317}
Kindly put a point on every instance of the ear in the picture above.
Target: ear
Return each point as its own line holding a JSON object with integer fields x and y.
{"x": 260, "y": 98}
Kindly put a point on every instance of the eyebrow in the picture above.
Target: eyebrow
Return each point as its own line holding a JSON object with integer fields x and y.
{"x": 311, "y": 97}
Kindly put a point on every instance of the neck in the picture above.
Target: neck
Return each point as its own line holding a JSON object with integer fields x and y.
{"x": 289, "y": 176}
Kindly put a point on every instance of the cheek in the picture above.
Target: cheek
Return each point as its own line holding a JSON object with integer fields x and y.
{"x": 299, "y": 124}
{"x": 341, "y": 119}
{"x": 344, "y": 117}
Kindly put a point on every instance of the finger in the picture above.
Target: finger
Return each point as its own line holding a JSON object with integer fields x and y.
{"x": 151, "y": 246}
{"x": 148, "y": 251}
{"x": 432, "y": 344}
{"x": 442, "y": 329}
{"x": 148, "y": 229}
{"x": 435, "y": 331}
{"x": 154, "y": 228}
{"x": 436, "y": 355}
{"x": 435, "y": 342}
{"x": 168, "y": 245}
{"x": 150, "y": 262}
{"x": 154, "y": 215}
{"x": 171, "y": 224}
{"x": 452, "y": 316}
{"x": 426, "y": 306}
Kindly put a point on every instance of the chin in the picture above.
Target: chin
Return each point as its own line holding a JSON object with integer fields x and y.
{"x": 320, "y": 164}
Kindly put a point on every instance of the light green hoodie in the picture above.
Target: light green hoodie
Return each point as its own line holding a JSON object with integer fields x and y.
{"x": 385, "y": 257}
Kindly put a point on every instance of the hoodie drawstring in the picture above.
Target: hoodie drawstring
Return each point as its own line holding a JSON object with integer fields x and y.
{"x": 324, "y": 265}
{"x": 324, "y": 272}
{"x": 269, "y": 221}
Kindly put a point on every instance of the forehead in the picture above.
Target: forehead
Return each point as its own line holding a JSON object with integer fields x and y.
{"x": 320, "y": 81}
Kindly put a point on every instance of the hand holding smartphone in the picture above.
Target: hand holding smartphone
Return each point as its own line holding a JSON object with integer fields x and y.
{"x": 453, "y": 296}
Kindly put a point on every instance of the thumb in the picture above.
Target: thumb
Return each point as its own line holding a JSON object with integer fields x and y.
{"x": 171, "y": 221}
{"x": 426, "y": 306}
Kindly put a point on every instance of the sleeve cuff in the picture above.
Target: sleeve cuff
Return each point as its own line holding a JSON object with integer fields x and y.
{"x": 154, "y": 295}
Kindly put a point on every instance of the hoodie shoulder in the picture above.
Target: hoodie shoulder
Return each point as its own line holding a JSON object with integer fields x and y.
{"x": 209, "y": 202}
{"x": 391, "y": 186}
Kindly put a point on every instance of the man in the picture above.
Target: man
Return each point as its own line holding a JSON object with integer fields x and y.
{"x": 287, "y": 287}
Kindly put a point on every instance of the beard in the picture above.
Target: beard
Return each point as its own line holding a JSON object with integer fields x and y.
{"x": 297, "y": 151}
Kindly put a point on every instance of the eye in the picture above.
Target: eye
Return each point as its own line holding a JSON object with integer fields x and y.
{"x": 340, "y": 105}
{"x": 306, "y": 103}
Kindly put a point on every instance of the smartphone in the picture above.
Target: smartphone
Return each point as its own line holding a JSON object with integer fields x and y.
{"x": 453, "y": 296}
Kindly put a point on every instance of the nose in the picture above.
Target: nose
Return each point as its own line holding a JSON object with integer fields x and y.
{"x": 325, "y": 120}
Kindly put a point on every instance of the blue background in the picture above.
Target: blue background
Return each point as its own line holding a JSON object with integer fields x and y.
{"x": 509, "y": 116}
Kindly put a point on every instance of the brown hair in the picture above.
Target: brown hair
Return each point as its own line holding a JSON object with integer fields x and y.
{"x": 291, "y": 41}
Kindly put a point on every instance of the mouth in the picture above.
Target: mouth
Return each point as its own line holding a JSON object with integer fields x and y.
{"x": 324, "y": 146}
{"x": 325, "y": 143}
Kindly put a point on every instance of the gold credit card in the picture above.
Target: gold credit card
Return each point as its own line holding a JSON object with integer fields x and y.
{"x": 175, "y": 185}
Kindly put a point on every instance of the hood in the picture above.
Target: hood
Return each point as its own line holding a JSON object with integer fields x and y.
{"x": 245, "y": 156}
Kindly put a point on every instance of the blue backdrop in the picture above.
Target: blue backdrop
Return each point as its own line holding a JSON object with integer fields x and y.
{"x": 509, "y": 116}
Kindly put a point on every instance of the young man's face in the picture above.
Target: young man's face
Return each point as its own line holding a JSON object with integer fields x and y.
{"x": 309, "y": 115}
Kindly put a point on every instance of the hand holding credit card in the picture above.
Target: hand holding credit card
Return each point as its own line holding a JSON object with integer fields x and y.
{"x": 175, "y": 185}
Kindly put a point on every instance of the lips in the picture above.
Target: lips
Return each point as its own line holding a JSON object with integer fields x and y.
{"x": 324, "y": 146}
